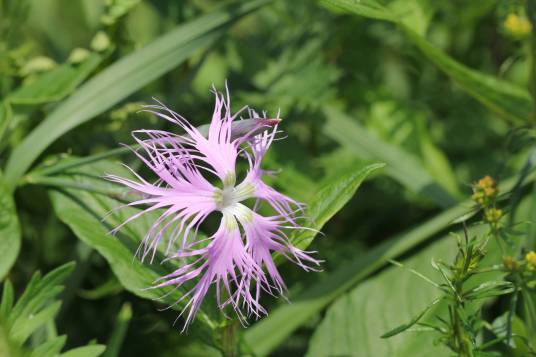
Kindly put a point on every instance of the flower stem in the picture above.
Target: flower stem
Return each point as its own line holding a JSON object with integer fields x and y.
{"x": 229, "y": 340}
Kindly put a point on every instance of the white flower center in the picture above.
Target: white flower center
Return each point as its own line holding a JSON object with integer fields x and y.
{"x": 230, "y": 195}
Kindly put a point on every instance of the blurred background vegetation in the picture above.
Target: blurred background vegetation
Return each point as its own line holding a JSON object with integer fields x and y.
{"x": 352, "y": 90}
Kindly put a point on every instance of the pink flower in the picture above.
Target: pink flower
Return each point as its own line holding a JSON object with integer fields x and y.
{"x": 237, "y": 258}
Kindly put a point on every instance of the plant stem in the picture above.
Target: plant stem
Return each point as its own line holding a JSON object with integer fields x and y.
{"x": 462, "y": 340}
{"x": 229, "y": 340}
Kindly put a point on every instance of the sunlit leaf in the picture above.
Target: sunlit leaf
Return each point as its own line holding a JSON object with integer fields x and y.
{"x": 83, "y": 212}
{"x": 121, "y": 79}
{"x": 331, "y": 198}
{"x": 402, "y": 166}
{"x": 355, "y": 323}
{"x": 505, "y": 98}
{"x": 56, "y": 84}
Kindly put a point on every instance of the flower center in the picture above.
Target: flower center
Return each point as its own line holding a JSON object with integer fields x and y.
{"x": 229, "y": 195}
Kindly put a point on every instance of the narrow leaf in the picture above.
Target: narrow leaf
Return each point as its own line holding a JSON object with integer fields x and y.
{"x": 510, "y": 101}
{"x": 401, "y": 166}
{"x": 330, "y": 199}
{"x": 86, "y": 351}
{"x": 56, "y": 84}
{"x": 9, "y": 231}
{"x": 122, "y": 79}
{"x": 412, "y": 322}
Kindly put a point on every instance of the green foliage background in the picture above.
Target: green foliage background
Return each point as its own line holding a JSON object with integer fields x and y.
{"x": 422, "y": 97}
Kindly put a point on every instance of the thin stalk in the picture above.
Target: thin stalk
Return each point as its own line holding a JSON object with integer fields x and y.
{"x": 229, "y": 340}
{"x": 463, "y": 341}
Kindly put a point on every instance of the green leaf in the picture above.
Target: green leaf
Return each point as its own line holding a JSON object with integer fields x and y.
{"x": 354, "y": 324}
{"x": 22, "y": 329}
{"x": 122, "y": 79}
{"x": 86, "y": 351}
{"x": 489, "y": 289}
{"x": 55, "y": 84}
{"x": 401, "y": 166}
{"x": 38, "y": 292}
{"x": 367, "y": 8}
{"x": 9, "y": 231}
{"x": 6, "y": 115}
{"x": 6, "y": 347}
{"x": 50, "y": 348}
{"x": 8, "y": 296}
{"x": 436, "y": 162}
{"x": 65, "y": 163}
{"x": 271, "y": 331}
{"x": 33, "y": 310}
{"x": 412, "y": 322}
{"x": 83, "y": 211}
{"x": 505, "y": 98}
{"x": 330, "y": 199}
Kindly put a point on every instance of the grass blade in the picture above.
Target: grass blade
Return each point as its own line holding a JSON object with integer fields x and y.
{"x": 122, "y": 79}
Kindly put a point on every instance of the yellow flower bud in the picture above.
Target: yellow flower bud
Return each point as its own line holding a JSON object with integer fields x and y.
{"x": 509, "y": 263}
{"x": 517, "y": 26}
{"x": 531, "y": 258}
{"x": 493, "y": 215}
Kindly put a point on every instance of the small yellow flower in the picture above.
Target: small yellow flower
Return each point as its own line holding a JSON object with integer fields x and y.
{"x": 517, "y": 26}
{"x": 479, "y": 197}
{"x": 531, "y": 258}
{"x": 484, "y": 191}
{"x": 509, "y": 263}
{"x": 493, "y": 215}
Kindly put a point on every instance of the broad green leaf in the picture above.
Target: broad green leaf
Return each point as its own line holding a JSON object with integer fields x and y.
{"x": 271, "y": 331}
{"x": 402, "y": 166}
{"x": 395, "y": 296}
{"x": 83, "y": 212}
{"x": 330, "y": 199}
{"x": 120, "y": 80}
{"x": 268, "y": 333}
{"x": 505, "y": 98}
{"x": 9, "y": 231}
{"x": 86, "y": 351}
{"x": 55, "y": 84}
{"x": 354, "y": 324}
